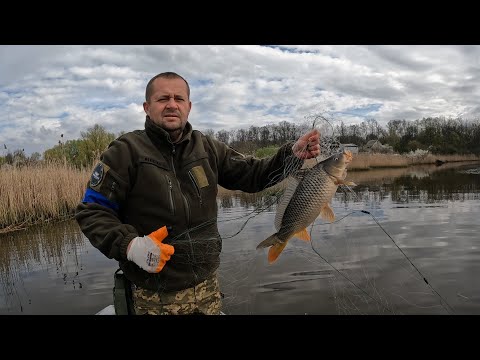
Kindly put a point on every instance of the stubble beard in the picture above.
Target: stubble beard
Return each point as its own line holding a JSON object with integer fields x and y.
{"x": 176, "y": 133}
{"x": 174, "y": 130}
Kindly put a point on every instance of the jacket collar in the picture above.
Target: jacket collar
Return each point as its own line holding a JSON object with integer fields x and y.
{"x": 156, "y": 132}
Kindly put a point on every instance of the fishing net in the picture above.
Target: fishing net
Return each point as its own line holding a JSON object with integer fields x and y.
{"x": 350, "y": 266}
{"x": 342, "y": 270}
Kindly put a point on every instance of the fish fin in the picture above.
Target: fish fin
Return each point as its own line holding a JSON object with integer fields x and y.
{"x": 327, "y": 213}
{"x": 275, "y": 251}
{"x": 271, "y": 240}
{"x": 348, "y": 155}
{"x": 303, "y": 235}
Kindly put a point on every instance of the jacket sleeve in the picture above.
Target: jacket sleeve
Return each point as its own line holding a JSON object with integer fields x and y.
{"x": 250, "y": 174}
{"x": 98, "y": 214}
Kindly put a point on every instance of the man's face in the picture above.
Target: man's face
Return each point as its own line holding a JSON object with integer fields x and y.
{"x": 169, "y": 105}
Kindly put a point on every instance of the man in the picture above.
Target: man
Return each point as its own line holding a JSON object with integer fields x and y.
{"x": 151, "y": 201}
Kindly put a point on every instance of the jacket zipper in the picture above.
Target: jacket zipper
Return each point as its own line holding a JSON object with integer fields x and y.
{"x": 187, "y": 211}
{"x": 185, "y": 202}
{"x": 195, "y": 184}
{"x": 172, "y": 204}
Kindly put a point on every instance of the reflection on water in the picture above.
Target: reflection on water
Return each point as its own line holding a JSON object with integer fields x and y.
{"x": 355, "y": 265}
{"x": 397, "y": 227}
{"x": 442, "y": 183}
{"x": 43, "y": 268}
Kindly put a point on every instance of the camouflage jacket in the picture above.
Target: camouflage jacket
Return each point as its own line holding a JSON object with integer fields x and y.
{"x": 143, "y": 181}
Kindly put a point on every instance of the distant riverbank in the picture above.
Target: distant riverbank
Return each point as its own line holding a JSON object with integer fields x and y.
{"x": 377, "y": 166}
{"x": 365, "y": 161}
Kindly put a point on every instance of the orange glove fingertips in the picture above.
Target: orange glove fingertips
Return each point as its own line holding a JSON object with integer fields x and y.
{"x": 166, "y": 250}
{"x": 159, "y": 235}
{"x": 165, "y": 254}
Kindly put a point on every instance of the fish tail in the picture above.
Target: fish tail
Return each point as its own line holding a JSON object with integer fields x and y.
{"x": 276, "y": 247}
{"x": 275, "y": 251}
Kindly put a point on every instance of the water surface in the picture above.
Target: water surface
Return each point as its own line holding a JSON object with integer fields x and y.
{"x": 405, "y": 241}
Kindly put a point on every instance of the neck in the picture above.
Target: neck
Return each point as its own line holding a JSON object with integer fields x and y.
{"x": 175, "y": 135}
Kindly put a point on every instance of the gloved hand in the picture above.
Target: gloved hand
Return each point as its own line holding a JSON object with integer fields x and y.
{"x": 149, "y": 252}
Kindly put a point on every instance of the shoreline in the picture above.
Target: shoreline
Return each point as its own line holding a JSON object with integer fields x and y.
{"x": 36, "y": 196}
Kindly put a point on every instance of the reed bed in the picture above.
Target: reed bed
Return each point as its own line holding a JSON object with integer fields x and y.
{"x": 38, "y": 194}
{"x": 364, "y": 161}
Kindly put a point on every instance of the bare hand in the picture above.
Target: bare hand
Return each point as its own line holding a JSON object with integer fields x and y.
{"x": 308, "y": 145}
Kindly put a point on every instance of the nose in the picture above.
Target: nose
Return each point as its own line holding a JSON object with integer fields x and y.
{"x": 171, "y": 103}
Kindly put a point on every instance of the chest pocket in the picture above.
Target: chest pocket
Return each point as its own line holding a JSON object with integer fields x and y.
{"x": 199, "y": 179}
{"x": 202, "y": 178}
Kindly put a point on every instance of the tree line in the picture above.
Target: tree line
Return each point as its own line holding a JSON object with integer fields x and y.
{"x": 438, "y": 135}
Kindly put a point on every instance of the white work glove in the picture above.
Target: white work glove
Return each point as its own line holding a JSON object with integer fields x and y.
{"x": 149, "y": 252}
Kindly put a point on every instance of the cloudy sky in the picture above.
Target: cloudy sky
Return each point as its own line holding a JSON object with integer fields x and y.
{"x": 46, "y": 91}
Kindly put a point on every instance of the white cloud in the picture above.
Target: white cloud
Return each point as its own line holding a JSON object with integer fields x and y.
{"x": 49, "y": 90}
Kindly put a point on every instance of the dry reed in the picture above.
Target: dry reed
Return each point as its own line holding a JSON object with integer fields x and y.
{"x": 30, "y": 195}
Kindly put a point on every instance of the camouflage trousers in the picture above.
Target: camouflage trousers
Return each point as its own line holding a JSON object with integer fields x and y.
{"x": 202, "y": 299}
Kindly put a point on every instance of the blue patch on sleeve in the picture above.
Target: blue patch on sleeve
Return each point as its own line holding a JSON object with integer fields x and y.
{"x": 92, "y": 196}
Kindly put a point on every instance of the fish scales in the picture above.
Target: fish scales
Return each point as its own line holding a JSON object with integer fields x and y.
{"x": 316, "y": 188}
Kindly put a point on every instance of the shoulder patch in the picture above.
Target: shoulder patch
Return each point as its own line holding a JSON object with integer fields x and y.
{"x": 97, "y": 175}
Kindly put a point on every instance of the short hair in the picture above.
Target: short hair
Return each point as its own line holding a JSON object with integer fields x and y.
{"x": 165, "y": 75}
